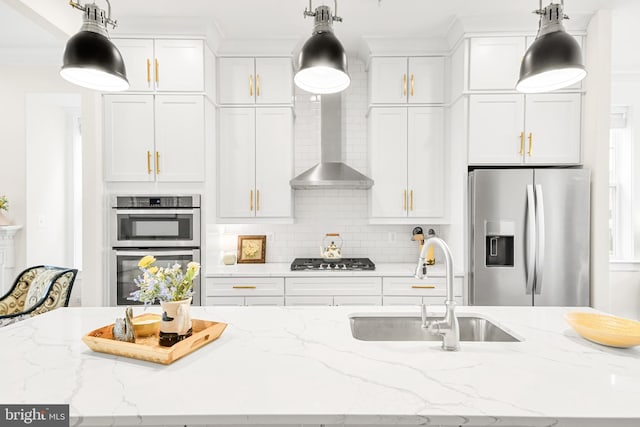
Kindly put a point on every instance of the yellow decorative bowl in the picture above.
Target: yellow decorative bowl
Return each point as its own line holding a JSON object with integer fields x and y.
{"x": 146, "y": 324}
{"x": 606, "y": 330}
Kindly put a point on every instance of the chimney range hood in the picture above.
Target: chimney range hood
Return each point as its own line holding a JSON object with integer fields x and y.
{"x": 331, "y": 172}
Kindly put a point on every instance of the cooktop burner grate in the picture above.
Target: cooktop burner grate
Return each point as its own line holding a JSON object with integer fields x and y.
{"x": 301, "y": 264}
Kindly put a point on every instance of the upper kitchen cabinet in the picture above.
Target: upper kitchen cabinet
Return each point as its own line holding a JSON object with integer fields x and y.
{"x": 511, "y": 129}
{"x": 154, "y": 138}
{"x": 164, "y": 65}
{"x": 407, "y": 157}
{"x": 494, "y": 62}
{"x": 255, "y": 81}
{"x": 402, "y": 80}
{"x": 255, "y": 163}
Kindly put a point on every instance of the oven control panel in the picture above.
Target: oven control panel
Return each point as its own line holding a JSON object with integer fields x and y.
{"x": 149, "y": 202}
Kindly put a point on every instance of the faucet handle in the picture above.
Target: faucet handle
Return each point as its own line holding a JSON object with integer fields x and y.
{"x": 424, "y": 312}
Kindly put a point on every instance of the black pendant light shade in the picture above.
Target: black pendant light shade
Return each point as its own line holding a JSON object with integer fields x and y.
{"x": 322, "y": 65}
{"x": 91, "y": 60}
{"x": 554, "y": 59}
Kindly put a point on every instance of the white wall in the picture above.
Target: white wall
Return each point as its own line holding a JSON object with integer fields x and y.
{"x": 327, "y": 211}
{"x": 49, "y": 180}
{"x": 15, "y": 83}
{"x": 596, "y": 150}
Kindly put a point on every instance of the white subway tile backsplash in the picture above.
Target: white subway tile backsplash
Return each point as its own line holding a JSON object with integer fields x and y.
{"x": 328, "y": 211}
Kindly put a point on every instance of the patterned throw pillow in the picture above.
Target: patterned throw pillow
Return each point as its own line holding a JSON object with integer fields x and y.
{"x": 39, "y": 287}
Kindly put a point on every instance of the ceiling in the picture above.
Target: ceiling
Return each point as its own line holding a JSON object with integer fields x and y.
{"x": 272, "y": 21}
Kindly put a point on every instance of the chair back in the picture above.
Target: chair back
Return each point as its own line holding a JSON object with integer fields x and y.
{"x": 54, "y": 285}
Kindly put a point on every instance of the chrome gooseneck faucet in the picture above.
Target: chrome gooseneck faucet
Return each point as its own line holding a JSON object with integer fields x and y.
{"x": 447, "y": 327}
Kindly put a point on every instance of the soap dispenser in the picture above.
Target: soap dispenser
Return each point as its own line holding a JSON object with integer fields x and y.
{"x": 431, "y": 259}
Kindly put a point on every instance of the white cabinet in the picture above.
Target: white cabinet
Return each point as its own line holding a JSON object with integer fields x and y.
{"x": 255, "y": 162}
{"x": 515, "y": 129}
{"x": 407, "y": 163}
{"x": 154, "y": 138}
{"x": 333, "y": 291}
{"x": 172, "y": 65}
{"x": 414, "y": 80}
{"x": 255, "y": 81}
{"x": 239, "y": 291}
{"x": 410, "y": 291}
{"x": 494, "y": 62}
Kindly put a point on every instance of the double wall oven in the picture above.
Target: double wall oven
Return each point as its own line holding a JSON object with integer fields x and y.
{"x": 167, "y": 227}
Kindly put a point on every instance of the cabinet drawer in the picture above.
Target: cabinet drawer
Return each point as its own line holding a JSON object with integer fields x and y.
{"x": 245, "y": 286}
{"x": 309, "y": 300}
{"x": 357, "y": 300}
{"x": 264, "y": 301}
{"x": 334, "y": 286}
{"x": 237, "y": 301}
{"x": 439, "y": 300}
{"x": 430, "y": 286}
{"x": 402, "y": 300}
{"x": 415, "y": 300}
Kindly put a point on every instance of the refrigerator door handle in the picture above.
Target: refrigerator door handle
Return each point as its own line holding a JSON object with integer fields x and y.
{"x": 540, "y": 238}
{"x": 531, "y": 239}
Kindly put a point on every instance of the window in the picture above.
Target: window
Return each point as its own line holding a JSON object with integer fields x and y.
{"x": 621, "y": 245}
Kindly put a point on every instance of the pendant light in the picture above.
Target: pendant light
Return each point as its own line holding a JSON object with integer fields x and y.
{"x": 554, "y": 60}
{"x": 322, "y": 63}
{"x": 90, "y": 59}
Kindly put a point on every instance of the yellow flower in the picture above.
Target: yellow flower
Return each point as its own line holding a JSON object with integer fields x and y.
{"x": 153, "y": 270}
{"x": 146, "y": 261}
{"x": 193, "y": 267}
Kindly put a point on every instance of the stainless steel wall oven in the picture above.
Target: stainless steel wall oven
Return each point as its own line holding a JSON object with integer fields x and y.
{"x": 167, "y": 227}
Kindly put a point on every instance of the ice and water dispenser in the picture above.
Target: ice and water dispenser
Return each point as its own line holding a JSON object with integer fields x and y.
{"x": 499, "y": 243}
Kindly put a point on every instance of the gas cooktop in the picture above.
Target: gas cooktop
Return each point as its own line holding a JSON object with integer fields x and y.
{"x": 299, "y": 264}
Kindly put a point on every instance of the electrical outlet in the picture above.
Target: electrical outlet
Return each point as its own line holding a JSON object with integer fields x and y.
{"x": 391, "y": 236}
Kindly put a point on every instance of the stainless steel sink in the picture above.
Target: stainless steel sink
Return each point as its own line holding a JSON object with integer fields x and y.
{"x": 408, "y": 328}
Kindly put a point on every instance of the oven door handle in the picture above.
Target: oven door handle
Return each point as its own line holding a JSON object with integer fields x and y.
{"x": 155, "y": 212}
{"x": 151, "y": 251}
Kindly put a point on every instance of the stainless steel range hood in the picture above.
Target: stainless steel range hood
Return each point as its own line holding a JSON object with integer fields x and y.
{"x": 331, "y": 172}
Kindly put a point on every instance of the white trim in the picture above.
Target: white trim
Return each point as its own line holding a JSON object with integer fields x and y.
{"x": 619, "y": 265}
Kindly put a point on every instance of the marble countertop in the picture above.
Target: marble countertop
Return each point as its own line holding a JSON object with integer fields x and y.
{"x": 278, "y": 269}
{"x": 301, "y": 365}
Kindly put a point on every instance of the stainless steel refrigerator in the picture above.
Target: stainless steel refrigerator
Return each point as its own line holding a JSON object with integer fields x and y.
{"x": 529, "y": 237}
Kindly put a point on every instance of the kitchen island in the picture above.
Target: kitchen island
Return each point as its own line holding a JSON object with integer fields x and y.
{"x": 301, "y": 365}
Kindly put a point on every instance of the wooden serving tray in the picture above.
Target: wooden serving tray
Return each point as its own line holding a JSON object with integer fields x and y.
{"x": 147, "y": 348}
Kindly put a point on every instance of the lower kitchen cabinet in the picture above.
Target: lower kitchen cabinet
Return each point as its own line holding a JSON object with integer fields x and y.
{"x": 240, "y": 291}
{"x": 411, "y": 291}
{"x": 333, "y": 291}
{"x": 245, "y": 301}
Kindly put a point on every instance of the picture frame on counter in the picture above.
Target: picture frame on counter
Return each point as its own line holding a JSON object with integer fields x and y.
{"x": 252, "y": 249}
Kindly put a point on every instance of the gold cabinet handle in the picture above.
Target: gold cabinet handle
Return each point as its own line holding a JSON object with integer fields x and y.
{"x": 149, "y": 162}
{"x": 530, "y": 143}
{"x": 258, "y": 84}
{"x": 148, "y": 72}
{"x": 157, "y": 162}
{"x": 251, "y": 200}
{"x": 157, "y": 71}
{"x": 411, "y": 200}
{"x": 404, "y": 85}
{"x": 412, "y": 84}
{"x": 404, "y": 203}
{"x": 250, "y": 84}
{"x": 257, "y": 200}
{"x": 423, "y": 287}
{"x": 243, "y": 287}
{"x": 521, "y": 152}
